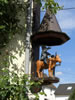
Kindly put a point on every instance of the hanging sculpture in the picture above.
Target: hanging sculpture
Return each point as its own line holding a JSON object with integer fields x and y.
{"x": 48, "y": 34}
{"x": 51, "y": 63}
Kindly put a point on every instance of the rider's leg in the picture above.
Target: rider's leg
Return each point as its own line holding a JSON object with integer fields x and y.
{"x": 45, "y": 61}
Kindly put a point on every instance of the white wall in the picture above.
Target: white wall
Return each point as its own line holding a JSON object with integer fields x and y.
{"x": 49, "y": 94}
{"x": 61, "y": 97}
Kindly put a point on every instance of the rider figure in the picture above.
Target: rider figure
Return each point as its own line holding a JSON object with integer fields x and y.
{"x": 45, "y": 54}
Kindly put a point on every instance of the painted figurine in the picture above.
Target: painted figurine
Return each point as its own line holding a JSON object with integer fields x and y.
{"x": 45, "y": 54}
{"x": 51, "y": 63}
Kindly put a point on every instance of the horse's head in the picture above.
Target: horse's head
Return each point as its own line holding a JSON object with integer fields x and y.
{"x": 54, "y": 58}
{"x": 57, "y": 58}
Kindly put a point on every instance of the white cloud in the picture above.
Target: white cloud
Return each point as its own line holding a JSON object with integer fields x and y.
{"x": 66, "y": 20}
{"x": 67, "y": 23}
{"x": 58, "y": 73}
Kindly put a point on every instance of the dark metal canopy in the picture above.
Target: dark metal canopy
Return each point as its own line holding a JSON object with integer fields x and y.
{"x": 49, "y": 38}
{"x": 49, "y": 32}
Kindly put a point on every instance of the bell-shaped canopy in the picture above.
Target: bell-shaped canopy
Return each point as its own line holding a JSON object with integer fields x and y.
{"x": 49, "y": 33}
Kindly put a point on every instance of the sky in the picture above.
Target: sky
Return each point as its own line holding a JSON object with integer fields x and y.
{"x": 66, "y": 20}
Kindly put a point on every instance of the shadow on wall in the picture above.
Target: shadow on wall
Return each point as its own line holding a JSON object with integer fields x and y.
{"x": 13, "y": 55}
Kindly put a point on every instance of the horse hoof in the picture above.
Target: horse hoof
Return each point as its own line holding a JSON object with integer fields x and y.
{"x": 51, "y": 76}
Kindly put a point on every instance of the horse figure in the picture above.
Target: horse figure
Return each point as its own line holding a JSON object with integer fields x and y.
{"x": 51, "y": 62}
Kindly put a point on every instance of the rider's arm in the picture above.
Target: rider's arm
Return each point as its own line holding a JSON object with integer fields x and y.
{"x": 48, "y": 53}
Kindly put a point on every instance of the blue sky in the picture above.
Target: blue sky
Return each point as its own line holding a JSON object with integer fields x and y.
{"x": 66, "y": 20}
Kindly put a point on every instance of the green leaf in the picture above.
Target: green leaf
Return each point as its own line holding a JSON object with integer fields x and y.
{"x": 2, "y": 26}
{"x": 1, "y": 13}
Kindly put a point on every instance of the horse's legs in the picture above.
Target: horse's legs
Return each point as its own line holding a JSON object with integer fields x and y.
{"x": 38, "y": 70}
{"x": 49, "y": 69}
{"x": 41, "y": 73}
{"x": 38, "y": 73}
{"x": 39, "y": 65}
{"x": 50, "y": 72}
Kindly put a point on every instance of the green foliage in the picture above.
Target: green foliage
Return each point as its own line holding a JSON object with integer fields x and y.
{"x": 16, "y": 90}
{"x": 6, "y": 20}
{"x": 72, "y": 96}
{"x": 14, "y": 87}
{"x": 9, "y": 20}
{"x": 51, "y": 5}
